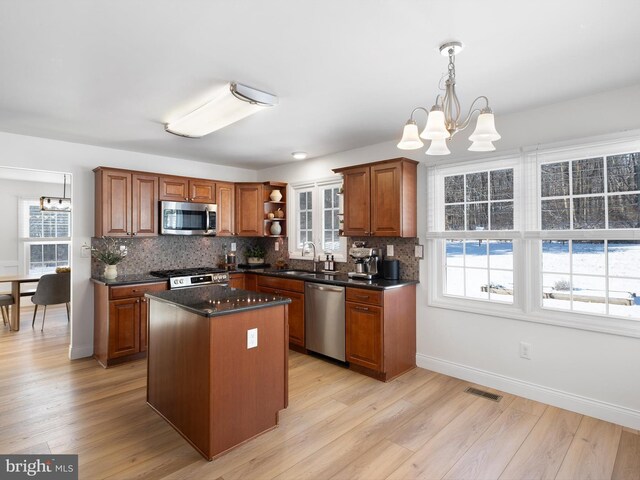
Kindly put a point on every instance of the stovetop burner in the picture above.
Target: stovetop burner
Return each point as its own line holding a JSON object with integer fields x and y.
{"x": 184, "y": 272}
{"x": 191, "y": 277}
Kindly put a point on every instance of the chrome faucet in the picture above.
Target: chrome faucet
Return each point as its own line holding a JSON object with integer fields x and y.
{"x": 314, "y": 253}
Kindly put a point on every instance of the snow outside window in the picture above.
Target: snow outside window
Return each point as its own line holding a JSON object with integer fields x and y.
{"x": 315, "y": 218}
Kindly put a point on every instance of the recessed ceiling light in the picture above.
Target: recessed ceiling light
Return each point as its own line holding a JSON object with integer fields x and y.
{"x": 299, "y": 155}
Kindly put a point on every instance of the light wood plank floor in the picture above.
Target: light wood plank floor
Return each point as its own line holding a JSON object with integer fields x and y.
{"x": 339, "y": 425}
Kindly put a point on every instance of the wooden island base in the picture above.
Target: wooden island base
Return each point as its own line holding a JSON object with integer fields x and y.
{"x": 207, "y": 384}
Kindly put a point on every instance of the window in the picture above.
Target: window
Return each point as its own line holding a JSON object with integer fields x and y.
{"x": 592, "y": 276}
{"x": 45, "y": 238}
{"x": 591, "y": 193}
{"x": 479, "y": 268}
{"x": 316, "y": 218}
{"x": 550, "y": 236}
{"x": 597, "y": 274}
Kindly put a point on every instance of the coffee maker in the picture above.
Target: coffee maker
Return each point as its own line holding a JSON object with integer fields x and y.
{"x": 368, "y": 262}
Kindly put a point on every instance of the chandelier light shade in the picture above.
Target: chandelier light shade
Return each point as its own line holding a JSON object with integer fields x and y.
{"x": 436, "y": 126}
{"x": 482, "y": 146}
{"x": 410, "y": 138}
{"x": 443, "y": 119}
{"x": 232, "y": 103}
{"x": 438, "y": 147}
{"x": 485, "y": 129}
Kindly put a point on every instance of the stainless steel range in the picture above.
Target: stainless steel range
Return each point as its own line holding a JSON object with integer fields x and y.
{"x": 193, "y": 277}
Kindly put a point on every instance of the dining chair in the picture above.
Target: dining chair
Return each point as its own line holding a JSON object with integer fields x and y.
{"x": 53, "y": 289}
{"x": 6, "y": 300}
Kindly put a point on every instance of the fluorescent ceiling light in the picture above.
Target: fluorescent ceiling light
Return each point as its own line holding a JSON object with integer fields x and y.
{"x": 234, "y": 102}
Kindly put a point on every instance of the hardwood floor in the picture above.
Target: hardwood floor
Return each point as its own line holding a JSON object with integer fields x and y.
{"x": 339, "y": 424}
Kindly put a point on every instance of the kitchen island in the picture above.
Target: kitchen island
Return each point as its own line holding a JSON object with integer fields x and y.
{"x": 217, "y": 363}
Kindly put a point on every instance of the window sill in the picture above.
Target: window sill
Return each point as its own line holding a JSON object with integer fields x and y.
{"x": 593, "y": 323}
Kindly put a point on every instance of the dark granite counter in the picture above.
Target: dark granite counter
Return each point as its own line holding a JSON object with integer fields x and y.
{"x": 341, "y": 279}
{"x": 127, "y": 279}
{"x": 210, "y": 301}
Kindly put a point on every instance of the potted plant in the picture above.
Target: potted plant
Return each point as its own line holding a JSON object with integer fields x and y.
{"x": 255, "y": 253}
{"x": 108, "y": 251}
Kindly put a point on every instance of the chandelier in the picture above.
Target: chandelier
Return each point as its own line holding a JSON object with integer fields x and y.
{"x": 443, "y": 120}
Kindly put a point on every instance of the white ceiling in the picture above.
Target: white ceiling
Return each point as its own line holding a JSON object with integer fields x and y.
{"x": 347, "y": 73}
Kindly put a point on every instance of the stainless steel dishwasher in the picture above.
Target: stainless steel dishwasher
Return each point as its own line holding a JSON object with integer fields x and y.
{"x": 324, "y": 327}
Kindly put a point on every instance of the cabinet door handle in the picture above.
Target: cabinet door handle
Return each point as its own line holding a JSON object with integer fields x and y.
{"x": 134, "y": 234}
{"x": 144, "y": 300}
{"x": 364, "y": 309}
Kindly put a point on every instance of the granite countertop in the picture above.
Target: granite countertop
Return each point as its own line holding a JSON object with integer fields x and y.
{"x": 128, "y": 279}
{"x": 341, "y": 279}
{"x": 214, "y": 300}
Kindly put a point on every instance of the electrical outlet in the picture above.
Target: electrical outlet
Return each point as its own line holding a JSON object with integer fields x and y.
{"x": 252, "y": 338}
{"x": 525, "y": 350}
{"x": 419, "y": 251}
{"x": 233, "y": 246}
{"x": 85, "y": 251}
{"x": 389, "y": 250}
{"x": 277, "y": 246}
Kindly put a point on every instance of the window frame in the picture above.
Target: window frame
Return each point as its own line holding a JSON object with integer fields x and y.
{"x": 527, "y": 237}
{"x": 437, "y": 236}
{"x": 317, "y": 187}
{"x": 25, "y": 241}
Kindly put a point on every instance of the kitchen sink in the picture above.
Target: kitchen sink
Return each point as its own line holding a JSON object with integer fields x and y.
{"x": 297, "y": 272}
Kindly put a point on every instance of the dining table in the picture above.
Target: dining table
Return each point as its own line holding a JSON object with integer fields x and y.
{"x": 16, "y": 281}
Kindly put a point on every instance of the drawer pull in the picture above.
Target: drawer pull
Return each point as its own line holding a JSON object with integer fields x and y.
{"x": 364, "y": 309}
{"x": 361, "y": 296}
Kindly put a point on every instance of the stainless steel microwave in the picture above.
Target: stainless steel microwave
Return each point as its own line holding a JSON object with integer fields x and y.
{"x": 183, "y": 218}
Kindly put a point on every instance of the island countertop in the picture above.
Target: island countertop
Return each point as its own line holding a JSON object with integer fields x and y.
{"x": 210, "y": 301}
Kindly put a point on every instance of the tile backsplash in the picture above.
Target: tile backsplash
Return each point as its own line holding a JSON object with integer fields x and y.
{"x": 169, "y": 251}
{"x": 166, "y": 252}
{"x": 404, "y": 251}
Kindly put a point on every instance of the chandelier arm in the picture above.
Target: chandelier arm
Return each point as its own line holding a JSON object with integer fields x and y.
{"x": 416, "y": 109}
{"x": 473, "y": 110}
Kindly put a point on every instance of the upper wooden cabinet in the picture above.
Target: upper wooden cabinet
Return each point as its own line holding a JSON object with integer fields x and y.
{"x": 225, "y": 199}
{"x": 380, "y": 198}
{"x": 126, "y": 203}
{"x": 181, "y": 189}
{"x": 249, "y": 210}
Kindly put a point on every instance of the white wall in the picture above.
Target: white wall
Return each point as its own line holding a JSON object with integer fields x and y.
{"x": 11, "y": 191}
{"x": 79, "y": 160}
{"x": 593, "y": 373}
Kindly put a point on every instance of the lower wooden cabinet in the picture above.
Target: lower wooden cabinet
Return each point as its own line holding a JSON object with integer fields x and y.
{"x": 293, "y": 289}
{"x": 236, "y": 280}
{"x": 120, "y": 322}
{"x": 364, "y": 335}
{"x": 381, "y": 331}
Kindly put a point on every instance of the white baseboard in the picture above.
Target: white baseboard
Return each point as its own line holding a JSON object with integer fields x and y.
{"x": 587, "y": 406}
{"x": 81, "y": 351}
